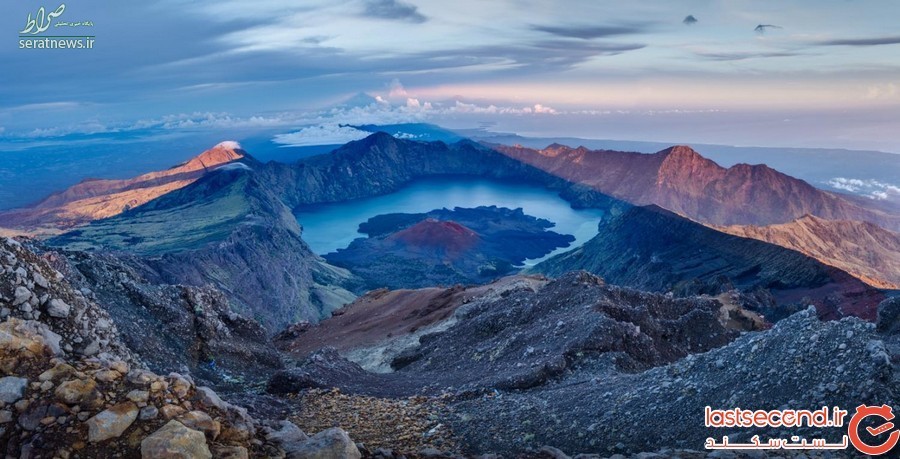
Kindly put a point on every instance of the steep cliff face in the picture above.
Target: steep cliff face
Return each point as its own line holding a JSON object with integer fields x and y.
{"x": 681, "y": 180}
{"x": 229, "y": 231}
{"x": 862, "y": 249}
{"x": 381, "y": 164}
{"x": 74, "y": 364}
{"x": 188, "y": 328}
{"x": 93, "y": 199}
{"x": 651, "y": 248}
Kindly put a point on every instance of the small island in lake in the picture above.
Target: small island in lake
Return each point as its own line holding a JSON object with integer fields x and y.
{"x": 446, "y": 247}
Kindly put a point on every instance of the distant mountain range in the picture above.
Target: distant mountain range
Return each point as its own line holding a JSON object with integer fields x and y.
{"x": 683, "y": 181}
{"x": 220, "y": 216}
{"x": 652, "y": 249}
{"x": 696, "y": 287}
{"x": 94, "y": 199}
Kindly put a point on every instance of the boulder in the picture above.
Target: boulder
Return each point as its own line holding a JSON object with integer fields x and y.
{"x": 171, "y": 411}
{"x": 210, "y": 398}
{"x": 889, "y": 316}
{"x": 286, "y": 434}
{"x": 107, "y": 375}
{"x": 201, "y": 421}
{"x": 12, "y": 388}
{"x": 23, "y": 338}
{"x": 58, "y": 308}
{"x": 21, "y": 295}
{"x": 112, "y": 422}
{"x": 60, "y": 370}
{"x": 230, "y": 452}
{"x": 175, "y": 441}
{"x": 327, "y": 444}
{"x": 148, "y": 412}
{"x": 79, "y": 392}
{"x": 40, "y": 280}
{"x": 141, "y": 378}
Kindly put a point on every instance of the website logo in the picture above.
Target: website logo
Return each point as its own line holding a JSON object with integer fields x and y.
{"x": 826, "y": 417}
{"x": 886, "y": 413}
{"x": 32, "y": 36}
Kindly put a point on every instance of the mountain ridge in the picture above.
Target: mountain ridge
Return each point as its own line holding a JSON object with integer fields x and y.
{"x": 185, "y": 236}
{"x": 682, "y": 180}
{"x": 94, "y": 199}
{"x": 863, "y": 249}
{"x": 653, "y": 249}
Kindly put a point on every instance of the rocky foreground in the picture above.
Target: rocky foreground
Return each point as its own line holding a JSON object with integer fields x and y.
{"x": 588, "y": 368}
{"x": 525, "y": 367}
{"x": 69, "y": 387}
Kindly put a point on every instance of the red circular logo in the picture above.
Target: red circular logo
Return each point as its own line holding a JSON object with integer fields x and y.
{"x": 885, "y": 412}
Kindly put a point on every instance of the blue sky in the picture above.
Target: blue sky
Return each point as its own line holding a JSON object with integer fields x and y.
{"x": 828, "y": 75}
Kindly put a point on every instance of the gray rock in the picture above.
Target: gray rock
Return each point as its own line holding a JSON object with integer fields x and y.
{"x": 889, "y": 316}
{"x": 230, "y": 452}
{"x": 12, "y": 388}
{"x": 52, "y": 339}
{"x": 112, "y": 422}
{"x": 175, "y": 441}
{"x": 58, "y": 308}
{"x": 328, "y": 444}
{"x": 288, "y": 435}
{"x": 140, "y": 377}
{"x": 554, "y": 453}
{"x": 31, "y": 418}
{"x": 40, "y": 281}
{"x": 209, "y": 397}
{"x": 21, "y": 295}
{"x": 138, "y": 396}
{"x": 92, "y": 348}
{"x": 148, "y": 412}
{"x": 198, "y": 420}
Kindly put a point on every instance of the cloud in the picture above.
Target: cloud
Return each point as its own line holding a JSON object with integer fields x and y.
{"x": 396, "y": 89}
{"x": 871, "y": 188}
{"x": 323, "y": 134}
{"x": 469, "y": 108}
{"x": 542, "y": 55}
{"x": 206, "y": 120}
{"x": 740, "y": 55}
{"x": 871, "y": 41}
{"x": 886, "y": 91}
{"x": 46, "y": 106}
{"x": 590, "y": 32}
{"x": 173, "y": 122}
{"x": 394, "y": 10}
{"x": 233, "y": 166}
{"x": 762, "y": 28}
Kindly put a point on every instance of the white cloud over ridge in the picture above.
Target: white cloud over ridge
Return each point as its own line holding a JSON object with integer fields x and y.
{"x": 323, "y": 134}
{"x": 871, "y": 188}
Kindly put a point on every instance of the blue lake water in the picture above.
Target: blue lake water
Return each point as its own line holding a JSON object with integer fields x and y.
{"x": 327, "y": 228}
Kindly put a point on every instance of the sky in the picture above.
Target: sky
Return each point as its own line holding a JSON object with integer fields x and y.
{"x": 819, "y": 73}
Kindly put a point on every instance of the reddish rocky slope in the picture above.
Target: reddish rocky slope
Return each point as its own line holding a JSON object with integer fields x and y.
{"x": 94, "y": 199}
{"x": 681, "y": 180}
{"x": 862, "y": 249}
